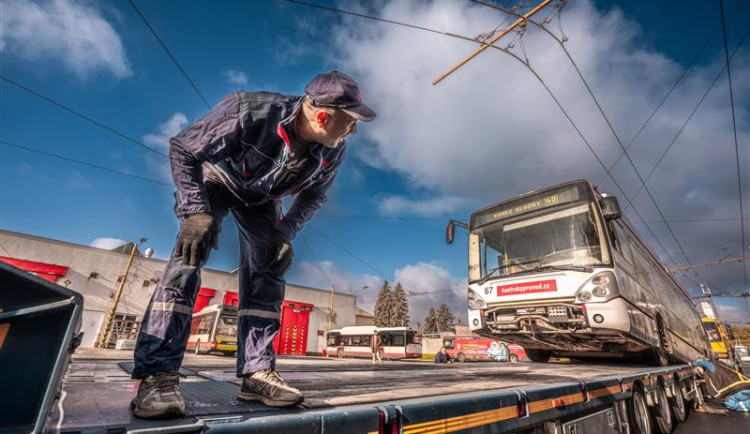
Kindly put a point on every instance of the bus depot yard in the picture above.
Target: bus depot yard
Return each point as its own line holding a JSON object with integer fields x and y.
{"x": 97, "y": 390}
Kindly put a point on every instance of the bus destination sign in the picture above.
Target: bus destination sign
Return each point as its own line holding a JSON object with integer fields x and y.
{"x": 536, "y": 202}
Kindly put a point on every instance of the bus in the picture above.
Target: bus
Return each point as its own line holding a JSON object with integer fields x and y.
{"x": 561, "y": 272}
{"x": 354, "y": 341}
{"x": 463, "y": 348}
{"x": 214, "y": 329}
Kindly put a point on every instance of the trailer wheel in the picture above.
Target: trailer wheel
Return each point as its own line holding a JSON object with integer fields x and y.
{"x": 662, "y": 412}
{"x": 513, "y": 358}
{"x": 677, "y": 402}
{"x": 539, "y": 356}
{"x": 461, "y": 357}
{"x": 638, "y": 414}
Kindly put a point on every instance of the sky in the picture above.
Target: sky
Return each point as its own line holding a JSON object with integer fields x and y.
{"x": 488, "y": 132}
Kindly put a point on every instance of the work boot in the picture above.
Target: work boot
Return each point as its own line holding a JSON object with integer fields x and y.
{"x": 267, "y": 387}
{"x": 159, "y": 397}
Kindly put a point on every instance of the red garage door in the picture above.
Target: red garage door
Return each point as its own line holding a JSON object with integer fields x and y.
{"x": 292, "y": 337}
{"x": 48, "y": 272}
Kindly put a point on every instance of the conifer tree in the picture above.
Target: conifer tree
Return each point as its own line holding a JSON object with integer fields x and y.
{"x": 400, "y": 307}
{"x": 383, "y": 311}
{"x": 445, "y": 318}
{"x": 430, "y": 322}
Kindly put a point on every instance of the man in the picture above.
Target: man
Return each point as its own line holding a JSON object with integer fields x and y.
{"x": 242, "y": 157}
{"x": 375, "y": 347}
{"x": 442, "y": 356}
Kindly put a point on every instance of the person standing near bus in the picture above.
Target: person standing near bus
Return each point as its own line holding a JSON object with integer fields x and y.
{"x": 247, "y": 153}
{"x": 376, "y": 346}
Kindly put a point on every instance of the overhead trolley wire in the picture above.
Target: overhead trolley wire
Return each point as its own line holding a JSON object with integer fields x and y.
{"x": 736, "y": 149}
{"x": 82, "y": 116}
{"x": 72, "y": 160}
{"x": 169, "y": 53}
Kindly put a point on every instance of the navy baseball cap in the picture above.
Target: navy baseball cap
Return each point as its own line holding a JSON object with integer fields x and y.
{"x": 337, "y": 90}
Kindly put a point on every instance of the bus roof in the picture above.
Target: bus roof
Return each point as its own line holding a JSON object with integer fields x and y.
{"x": 367, "y": 330}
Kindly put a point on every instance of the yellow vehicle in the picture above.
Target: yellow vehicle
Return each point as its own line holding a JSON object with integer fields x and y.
{"x": 717, "y": 336}
{"x": 214, "y": 329}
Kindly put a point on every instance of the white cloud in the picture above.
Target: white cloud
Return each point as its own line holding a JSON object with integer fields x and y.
{"x": 160, "y": 141}
{"x": 432, "y": 284}
{"x": 490, "y": 131}
{"x": 166, "y": 130}
{"x": 235, "y": 77}
{"x": 433, "y": 207}
{"x": 323, "y": 273}
{"x": 72, "y": 32}
{"x": 435, "y": 286}
{"x": 107, "y": 243}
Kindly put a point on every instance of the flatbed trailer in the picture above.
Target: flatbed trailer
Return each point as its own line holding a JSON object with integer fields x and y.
{"x": 353, "y": 396}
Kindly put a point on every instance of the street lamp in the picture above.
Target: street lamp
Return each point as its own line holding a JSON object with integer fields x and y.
{"x": 104, "y": 334}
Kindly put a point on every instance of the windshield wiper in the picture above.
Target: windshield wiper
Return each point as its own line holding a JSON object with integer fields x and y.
{"x": 564, "y": 268}
{"x": 492, "y": 271}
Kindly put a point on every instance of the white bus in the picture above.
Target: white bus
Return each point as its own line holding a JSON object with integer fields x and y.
{"x": 214, "y": 329}
{"x": 354, "y": 341}
{"x": 561, "y": 272}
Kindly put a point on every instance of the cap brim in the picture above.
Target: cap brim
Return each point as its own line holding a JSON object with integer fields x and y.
{"x": 360, "y": 111}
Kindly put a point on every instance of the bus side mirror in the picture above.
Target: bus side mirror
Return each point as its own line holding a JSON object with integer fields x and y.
{"x": 450, "y": 230}
{"x": 610, "y": 208}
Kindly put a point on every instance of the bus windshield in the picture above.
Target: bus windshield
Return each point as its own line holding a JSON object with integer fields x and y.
{"x": 571, "y": 236}
{"x": 712, "y": 332}
{"x": 227, "y": 325}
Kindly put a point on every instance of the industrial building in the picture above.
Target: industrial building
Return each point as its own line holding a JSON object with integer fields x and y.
{"x": 96, "y": 274}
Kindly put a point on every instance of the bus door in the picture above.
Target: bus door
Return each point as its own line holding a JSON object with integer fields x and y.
{"x": 292, "y": 336}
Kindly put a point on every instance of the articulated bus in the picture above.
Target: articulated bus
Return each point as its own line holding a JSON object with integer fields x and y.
{"x": 561, "y": 272}
{"x": 214, "y": 329}
{"x": 354, "y": 341}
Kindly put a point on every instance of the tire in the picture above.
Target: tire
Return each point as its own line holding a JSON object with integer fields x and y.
{"x": 662, "y": 412}
{"x": 340, "y": 353}
{"x": 197, "y": 349}
{"x": 539, "y": 356}
{"x": 639, "y": 417}
{"x": 461, "y": 357}
{"x": 678, "y": 404}
{"x": 513, "y": 358}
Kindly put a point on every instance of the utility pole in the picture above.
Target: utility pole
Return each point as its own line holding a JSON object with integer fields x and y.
{"x": 485, "y": 45}
{"x": 330, "y": 308}
{"x": 104, "y": 334}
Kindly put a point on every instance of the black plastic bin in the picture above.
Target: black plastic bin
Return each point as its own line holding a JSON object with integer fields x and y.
{"x": 39, "y": 325}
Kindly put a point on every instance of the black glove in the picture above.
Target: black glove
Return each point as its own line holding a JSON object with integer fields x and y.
{"x": 279, "y": 253}
{"x": 198, "y": 233}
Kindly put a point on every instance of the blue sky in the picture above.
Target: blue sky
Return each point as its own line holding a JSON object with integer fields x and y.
{"x": 487, "y": 133}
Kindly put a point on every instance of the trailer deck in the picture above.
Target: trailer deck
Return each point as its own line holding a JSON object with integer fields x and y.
{"x": 97, "y": 391}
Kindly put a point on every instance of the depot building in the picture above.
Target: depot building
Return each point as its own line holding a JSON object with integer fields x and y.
{"x": 97, "y": 273}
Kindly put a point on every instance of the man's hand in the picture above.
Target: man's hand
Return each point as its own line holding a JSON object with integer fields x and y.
{"x": 198, "y": 233}
{"x": 279, "y": 254}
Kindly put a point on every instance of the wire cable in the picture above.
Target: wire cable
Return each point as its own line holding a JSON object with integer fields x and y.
{"x": 346, "y": 250}
{"x": 82, "y": 116}
{"x": 60, "y": 157}
{"x": 317, "y": 264}
{"x": 736, "y": 148}
{"x": 169, "y": 53}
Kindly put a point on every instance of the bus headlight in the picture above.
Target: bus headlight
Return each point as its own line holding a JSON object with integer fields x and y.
{"x": 475, "y": 301}
{"x": 472, "y": 304}
{"x": 600, "y": 291}
{"x": 600, "y": 288}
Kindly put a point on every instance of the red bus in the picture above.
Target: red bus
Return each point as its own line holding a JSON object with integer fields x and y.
{"x": 463, "y": 348}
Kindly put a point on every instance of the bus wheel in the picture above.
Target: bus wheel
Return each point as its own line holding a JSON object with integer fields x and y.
{"x": 461, "y": 357}
{"x": 539, "y": 356}
{"x": 340, "y": 353}
{"x": 662, "y": 413}
{"x": 513, "y": 358}
{"x": 638, "y": 414}
{"x": 197, "y": 347}
{"x": 677, "y": 402}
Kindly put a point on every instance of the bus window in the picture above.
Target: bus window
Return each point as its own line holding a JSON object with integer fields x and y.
{"x": 448, "y": 344}
{"x": 398, "y": 341}
{"x": 411, "y": 337}
{"x": 366, "y": 341}
{"x": 227, "y": 325}
{"x": 712, "y": 332}
{"x": 334, "y": 339}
